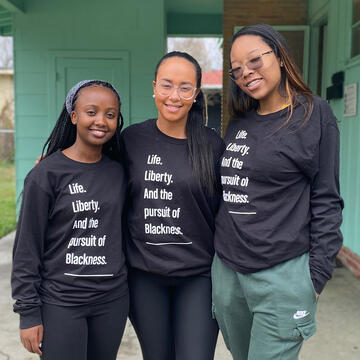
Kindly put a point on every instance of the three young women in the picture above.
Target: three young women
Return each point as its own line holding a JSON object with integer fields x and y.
{"x": 69, "y": 274}
{"x": 277, "y": 229}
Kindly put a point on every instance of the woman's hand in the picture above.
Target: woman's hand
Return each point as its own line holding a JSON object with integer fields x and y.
{"x": 38, "y": 160}
{"x": 31, "y": 338}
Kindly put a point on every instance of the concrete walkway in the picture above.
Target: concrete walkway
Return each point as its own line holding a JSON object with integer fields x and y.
{"x": 338, "y": 318}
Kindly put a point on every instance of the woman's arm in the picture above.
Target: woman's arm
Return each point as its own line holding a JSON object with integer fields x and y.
{"x": 326, "y": 206}
{"x": 27, "y": 261}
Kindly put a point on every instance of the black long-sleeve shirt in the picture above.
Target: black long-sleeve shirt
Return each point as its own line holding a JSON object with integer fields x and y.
{"x": 281, "y": 192}
{"x": 170, "y": 217}
{"x": 68, "y": 244}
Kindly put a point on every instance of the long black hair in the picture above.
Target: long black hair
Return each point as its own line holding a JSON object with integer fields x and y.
{"x": 199, "y": 147}
{"x": 292, "y": 83}
{"x": 64, "y": 133}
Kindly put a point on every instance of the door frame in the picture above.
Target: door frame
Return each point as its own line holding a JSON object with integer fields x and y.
{"x": 318, "y": 20}
{"x": 85, "y": 54}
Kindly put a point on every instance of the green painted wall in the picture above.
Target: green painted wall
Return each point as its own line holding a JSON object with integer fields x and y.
{"x": 183, "y": 24}
{"x": 314, "y": 6}
{"x": 195, "y": 7}
{"x": 194, "y": 18}
{"x": 5, "y": 22}
{"x": 339, "y": 15}
{"x": 136, "y": 28}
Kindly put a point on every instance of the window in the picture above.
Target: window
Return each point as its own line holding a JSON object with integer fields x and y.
{"x": 355, "y": 29}
{"x": 208, "y": 52}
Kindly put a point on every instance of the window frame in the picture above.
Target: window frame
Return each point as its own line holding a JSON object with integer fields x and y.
{"x": 354, "y": 26}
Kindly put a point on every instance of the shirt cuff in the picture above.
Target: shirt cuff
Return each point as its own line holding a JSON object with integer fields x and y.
{"x": 318, "y": 280}
{"x": 30, "y": 318}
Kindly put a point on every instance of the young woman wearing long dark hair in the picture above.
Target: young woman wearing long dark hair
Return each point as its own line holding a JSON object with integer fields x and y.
{"x": 173, "y": 197}
{"x": 278, "y": 226}
{"x": 69, "y": 275}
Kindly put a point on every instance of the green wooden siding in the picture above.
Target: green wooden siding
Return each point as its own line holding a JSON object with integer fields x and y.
{"x": 136, "y": 28}
{"x": 338, "y": 15}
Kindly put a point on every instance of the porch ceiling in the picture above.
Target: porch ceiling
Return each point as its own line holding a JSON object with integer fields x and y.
{"x": 174, "y": 8}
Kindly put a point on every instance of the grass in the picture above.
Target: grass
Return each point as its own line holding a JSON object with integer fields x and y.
{"x": 7, "y": 198}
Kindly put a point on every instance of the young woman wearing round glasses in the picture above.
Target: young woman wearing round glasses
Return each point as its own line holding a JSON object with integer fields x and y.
{"x": 277, "y": 230}
{"x": 173, "y": 166}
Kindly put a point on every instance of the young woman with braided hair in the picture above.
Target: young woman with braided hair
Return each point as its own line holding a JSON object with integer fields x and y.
{"x": 69, "y": 278}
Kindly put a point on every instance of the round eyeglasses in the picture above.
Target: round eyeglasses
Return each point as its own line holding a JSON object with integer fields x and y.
{"x": 254, "y": 63}
{"x": 186, "y": 92}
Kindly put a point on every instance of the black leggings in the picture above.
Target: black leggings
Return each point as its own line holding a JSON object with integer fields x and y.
{"x": 90, "y": 332}
{"x": 172, "y": 316}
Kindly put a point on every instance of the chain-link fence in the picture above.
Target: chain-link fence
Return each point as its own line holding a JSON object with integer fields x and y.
{"x": 6, "y": 145}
